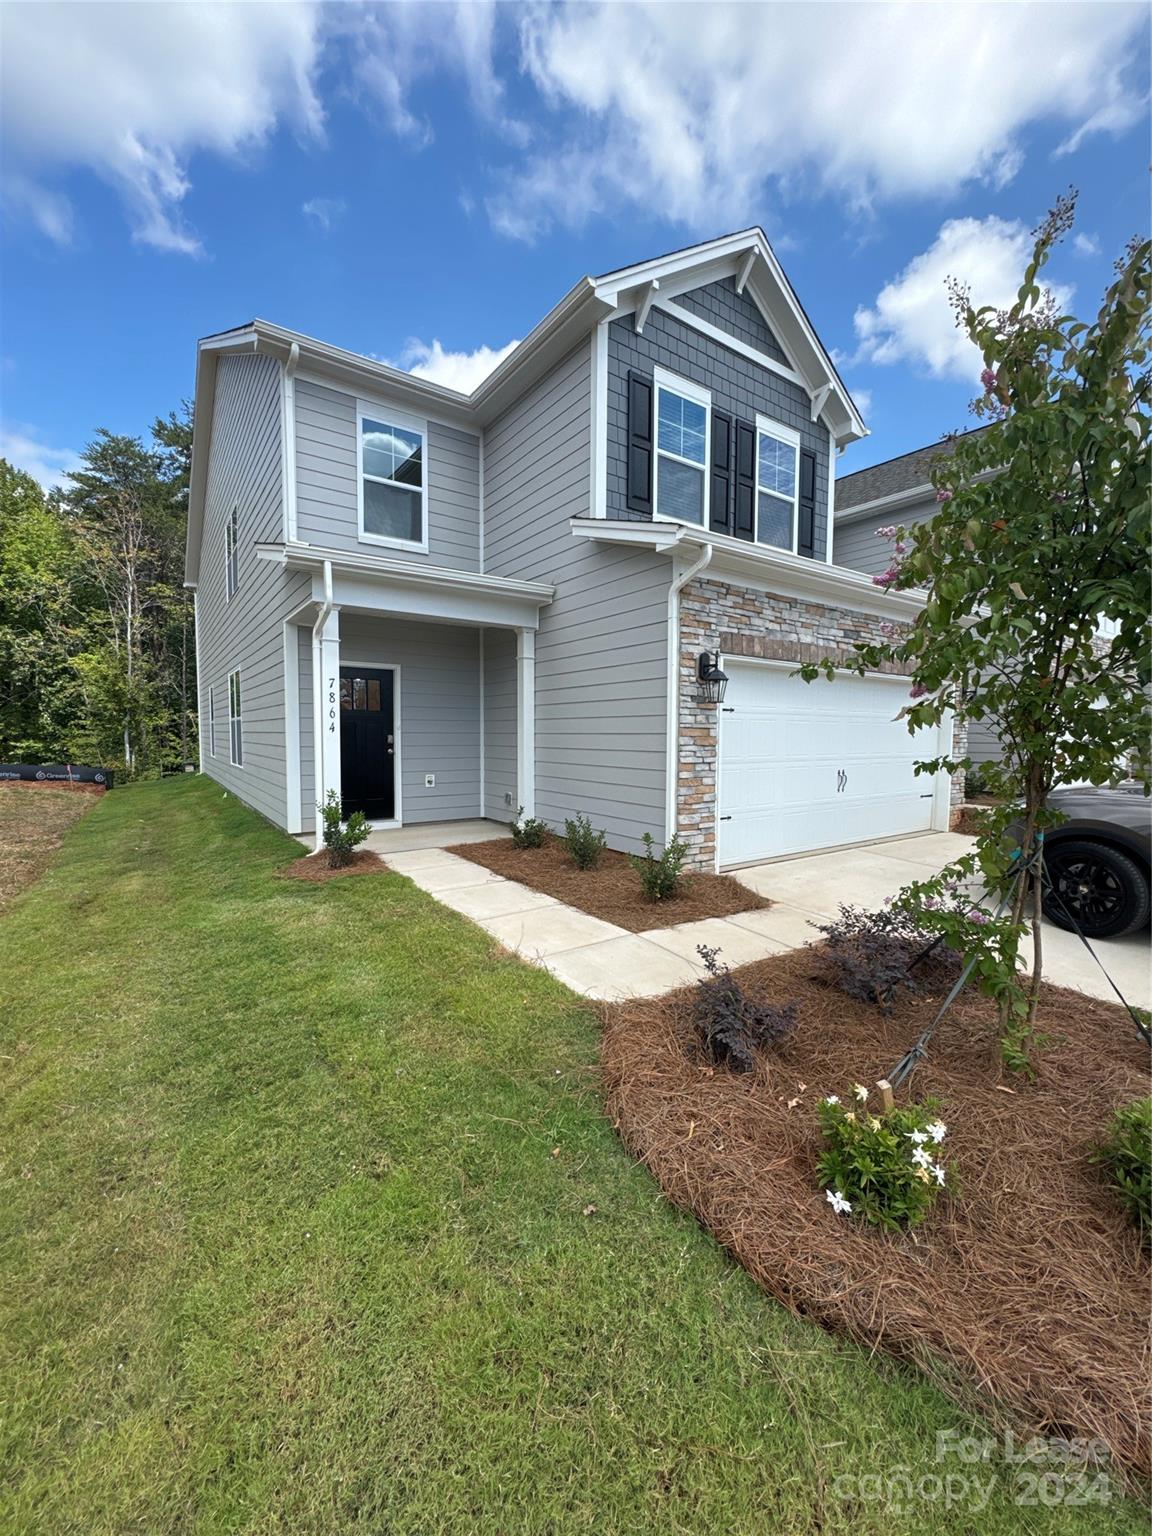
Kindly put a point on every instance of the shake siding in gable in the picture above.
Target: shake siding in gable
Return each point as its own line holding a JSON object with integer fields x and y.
{"x": 246, "y": 631}
{"x": 738, "y": 385}
{"x": 601, "y": 652}
{"x": 327, "y": 466}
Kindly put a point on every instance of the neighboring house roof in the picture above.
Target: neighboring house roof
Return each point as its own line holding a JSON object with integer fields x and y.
{"x": 907, "y": 477}
{"x": 745, "y": 256}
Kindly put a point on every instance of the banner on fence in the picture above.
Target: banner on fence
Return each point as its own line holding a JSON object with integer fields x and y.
{"x": 55, "y": 773}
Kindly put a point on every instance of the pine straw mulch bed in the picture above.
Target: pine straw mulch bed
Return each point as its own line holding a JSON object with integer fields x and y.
{"x": 612, "y": 890}
{"x": 1027, "y": 1296}
{"x": 316, "y": 867}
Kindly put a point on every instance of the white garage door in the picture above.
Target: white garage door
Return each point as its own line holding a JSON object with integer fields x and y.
{"x": 812, "y": 765}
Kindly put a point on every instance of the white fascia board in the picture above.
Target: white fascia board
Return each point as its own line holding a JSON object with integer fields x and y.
{"x": 619, "y": 530}
{"x": 437, "y": 578}
{"x": 760, "y": 568}
{"x": 354, "y": 593}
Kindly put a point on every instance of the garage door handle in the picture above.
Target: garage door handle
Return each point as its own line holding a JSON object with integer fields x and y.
{"x": 725, "y": 818}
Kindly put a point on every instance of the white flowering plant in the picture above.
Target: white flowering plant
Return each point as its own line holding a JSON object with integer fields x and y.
{"x": 887, "y": 1167}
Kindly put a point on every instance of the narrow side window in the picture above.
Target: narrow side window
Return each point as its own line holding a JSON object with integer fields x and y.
{"x": 231, "y": 548}
{"x": 212, "y": 720}
{"x": 235, "y": 720}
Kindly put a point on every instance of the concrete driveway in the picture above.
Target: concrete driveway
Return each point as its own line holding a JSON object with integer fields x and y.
{"x": 811, "y": 889}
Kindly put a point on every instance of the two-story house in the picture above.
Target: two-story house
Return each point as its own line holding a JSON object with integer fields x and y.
{"x": 447, "y": 606}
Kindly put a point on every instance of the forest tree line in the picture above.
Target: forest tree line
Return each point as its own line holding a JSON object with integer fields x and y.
{"x": 97, "y": 640}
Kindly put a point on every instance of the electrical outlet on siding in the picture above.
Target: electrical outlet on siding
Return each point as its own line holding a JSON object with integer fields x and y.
{"x": 429, "y": 781}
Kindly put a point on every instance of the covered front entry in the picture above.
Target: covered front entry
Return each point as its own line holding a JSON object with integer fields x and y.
{"x": 816, "y": 765}
{"x": 368, "y": 741}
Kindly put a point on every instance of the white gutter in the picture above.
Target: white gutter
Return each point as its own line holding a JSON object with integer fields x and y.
{"x": 318, "y": 701}
{"x": 672, "y": 725}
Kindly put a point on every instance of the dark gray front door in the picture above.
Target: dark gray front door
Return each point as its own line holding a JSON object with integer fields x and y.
{"x": 368, "y": 742}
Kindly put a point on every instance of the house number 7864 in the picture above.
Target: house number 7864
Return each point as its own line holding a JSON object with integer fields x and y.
{"x": 332, "y": 704}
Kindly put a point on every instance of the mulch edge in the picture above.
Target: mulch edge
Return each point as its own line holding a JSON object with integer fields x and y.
{"x": 638, "y": 1123}
{"x": 311, "y": 869}
{"x": 663, "y": 915}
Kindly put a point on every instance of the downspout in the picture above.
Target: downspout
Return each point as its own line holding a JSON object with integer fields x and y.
{"x": 318, "y": 699}
{"x": 672, "y": 759}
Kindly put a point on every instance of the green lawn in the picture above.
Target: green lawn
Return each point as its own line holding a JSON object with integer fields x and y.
{"x": 294, "y": 1236}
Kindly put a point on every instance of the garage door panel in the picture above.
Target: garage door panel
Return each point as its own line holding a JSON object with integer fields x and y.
{"x": 812, "y": 766}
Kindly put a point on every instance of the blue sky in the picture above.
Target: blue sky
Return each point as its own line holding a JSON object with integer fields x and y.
{"x": 422, "y": 183}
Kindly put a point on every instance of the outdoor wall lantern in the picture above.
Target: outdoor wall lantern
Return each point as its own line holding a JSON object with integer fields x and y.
{"x": 712, "y": 681}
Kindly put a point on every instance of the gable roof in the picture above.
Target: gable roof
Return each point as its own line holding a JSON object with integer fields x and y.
{"x": 899, "y": 478}
{"x": 745, "y": 255}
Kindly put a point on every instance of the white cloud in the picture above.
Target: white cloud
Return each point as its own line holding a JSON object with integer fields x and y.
{"x": 131, "y": 92}
{"x": 324, "y": 211}
{"x": 1085, "y": 245}
{"x": 47, "y": 465}
{"x": 696, "y": 111}
{"x": 455, "y": 370}
{"x": 863, "y": 400}
{"x": 912, "y": 320}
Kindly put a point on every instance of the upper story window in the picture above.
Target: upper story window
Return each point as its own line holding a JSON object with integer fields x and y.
{"x": 232, "y": 551}
{"x": 777, "y": 484}
{"x": 393, "y": 481}
{"x": 682, "y": 411}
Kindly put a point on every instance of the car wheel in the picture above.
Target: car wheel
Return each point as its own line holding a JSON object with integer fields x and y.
{"x": 1103, "y": 889}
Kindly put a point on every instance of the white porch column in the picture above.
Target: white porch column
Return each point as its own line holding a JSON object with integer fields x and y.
{"x": 526, "y": 720}
{"x": 326, "y": 695}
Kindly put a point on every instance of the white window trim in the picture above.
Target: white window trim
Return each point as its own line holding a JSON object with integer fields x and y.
{"x": 235, "y": 720}
{"x": 211, "y": 720}
{"x": 782, "y": 434}
{"x": 674, "y": 384}
{"x": 380, "y": 410}
{"x": 232, "y": 552}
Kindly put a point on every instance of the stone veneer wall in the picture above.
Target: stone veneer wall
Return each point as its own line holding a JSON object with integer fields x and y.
{"x": 738, "y": 621}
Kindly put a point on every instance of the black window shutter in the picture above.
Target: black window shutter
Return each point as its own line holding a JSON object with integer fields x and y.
{"x": 806, "y": 534}
{"x": 639, "y": 444}
{"x": 744, "y": 521}
{"x": 720, "y": 502}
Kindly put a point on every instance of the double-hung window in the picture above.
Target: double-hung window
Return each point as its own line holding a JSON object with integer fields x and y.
{"x": 235, "y": 721}
{"x": 777, "y": 484}
{"x": 232, "y": 551}
{"x": 393, "y": 480}
{"x": 681, "y": 488}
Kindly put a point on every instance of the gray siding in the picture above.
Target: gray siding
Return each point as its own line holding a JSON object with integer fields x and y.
{"x": 737, "y": 384}
{"x": 500, "y": 724}
{"x": 736, "y": 313}
{"x": 327, "y": 466}
{"x": 246, "y": 632}
{"x": 857, "y": 545}
{"x": 983, "y": 746}
{"x": 601, "y": 653}
{"x": 439, "y": 712}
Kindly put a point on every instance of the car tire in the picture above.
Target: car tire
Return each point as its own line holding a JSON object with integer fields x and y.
{"x": 1105, "y": 891}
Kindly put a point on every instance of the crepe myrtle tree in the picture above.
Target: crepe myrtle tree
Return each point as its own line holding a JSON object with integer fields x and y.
{"x": 1038, "y": 551}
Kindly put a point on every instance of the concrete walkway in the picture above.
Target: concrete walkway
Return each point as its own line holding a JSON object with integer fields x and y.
{"x": 603, "y": 961}
{"x": 595, "y": 958}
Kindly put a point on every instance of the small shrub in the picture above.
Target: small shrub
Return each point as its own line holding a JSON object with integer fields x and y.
{"x": 886, "y": 1168}
{"x": 976, "y": 780}
{"x": 1126, "y": 1158}
{"x": 868, "y": 955}
{"x": 341, "y": 838}
{"x": 660, "y": 877}
{"x": 733, "y": 1025}
{"x": 584, "y": 845}
{"x": 527, "y": 832}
